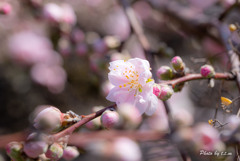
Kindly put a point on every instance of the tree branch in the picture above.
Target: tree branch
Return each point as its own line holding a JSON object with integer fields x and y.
{"x": 85, "y": 119}
{"x": 190, "y": 77}
{"x": 82, "y": 139}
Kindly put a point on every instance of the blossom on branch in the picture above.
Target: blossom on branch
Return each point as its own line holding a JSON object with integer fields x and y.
{"x": 133, "y": 84}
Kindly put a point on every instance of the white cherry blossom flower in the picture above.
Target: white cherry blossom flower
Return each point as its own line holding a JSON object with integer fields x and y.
{"x": 133, "y": 84}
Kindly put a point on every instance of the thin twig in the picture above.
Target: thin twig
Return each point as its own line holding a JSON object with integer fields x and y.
{"x": 190, "y": 77}
{"x": 85, "y": 119}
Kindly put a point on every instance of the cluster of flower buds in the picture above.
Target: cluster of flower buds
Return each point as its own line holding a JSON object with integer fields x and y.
{"x": 89, "y": 44}
{"x": 163, "y": 92}
{"x": 167, "y": 73}
{"x": 38, "y": 146}
{"x": 32, "y": 150}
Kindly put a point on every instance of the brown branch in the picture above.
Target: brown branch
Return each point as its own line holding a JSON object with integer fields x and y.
{"x": 5, "y": 139}
{"x": 85, "y": 119}
{"x": 82, "y": 139}
{"x": 190, "y": 77}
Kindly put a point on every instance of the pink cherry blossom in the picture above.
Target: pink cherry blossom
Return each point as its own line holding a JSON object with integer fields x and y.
{"x": 133, "y": 84}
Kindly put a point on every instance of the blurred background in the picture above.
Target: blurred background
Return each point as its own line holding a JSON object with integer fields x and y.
{"x": 58, "y": 52}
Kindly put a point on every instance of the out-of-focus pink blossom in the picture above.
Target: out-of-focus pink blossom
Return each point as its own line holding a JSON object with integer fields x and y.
{"x": 52, "y": 12}
{"x": 5, "y": 8}
{"x": 112, "y": 42}
{"x": 51, "y": 76}
{"x": 26, "y": 47}
{"x": 159, "y": 121}
{"x": 133, "y": 84}
{"x": 106, "y": 87}
{"x": 119, "y": 56}
{"x": 182, "y": 117}
{"x": 233, "y": 122}
{"x": 125, "y": 149}
{"x": 63, "y": 13}
{"x": 227, "y": 3}
{"x": 68, "y": 15}
{"x": 206, "y": 137}
{"x": 129, "y": 115}
{"x": 119, "y": 19}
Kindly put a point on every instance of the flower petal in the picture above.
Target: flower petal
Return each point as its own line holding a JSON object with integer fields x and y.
{"x": 117, "y": 79}
{"x": 140, "y": 104}
{"x": 120, "y": 95}
{"x": 152, "y": 106}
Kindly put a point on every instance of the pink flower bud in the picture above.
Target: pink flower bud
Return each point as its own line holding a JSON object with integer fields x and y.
{"x": 94, "y": 124}
{"x": 14, "y": 150}
{"x": 70, "y": 153}
{"x": 35, "y": 148}
{"x": 49, "y": 119}
{"x": 54, "y": 152}
{"x": 130, "y": 115}
{"x": 157, "y": 90}
{"x": 166, "y": 92}
{"x": 177, "y": 64}
{"x": 5, "y": 8}
{"x": 110, "y": 119}
{"x": 207, "y": 71}
{"x": 165, "y": 73}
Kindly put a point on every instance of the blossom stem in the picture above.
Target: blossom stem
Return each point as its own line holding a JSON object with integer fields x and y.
{"x": 85, "y": 119}
{"x": 190, "y": 77}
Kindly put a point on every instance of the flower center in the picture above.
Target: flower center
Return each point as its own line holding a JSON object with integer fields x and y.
{"x": 132, "y": 76}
